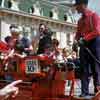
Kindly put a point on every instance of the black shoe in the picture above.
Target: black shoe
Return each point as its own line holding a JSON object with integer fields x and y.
{"x": 82, "y": 95}
{"x": 92, "y": 94}
{"x": 85, "y": 96}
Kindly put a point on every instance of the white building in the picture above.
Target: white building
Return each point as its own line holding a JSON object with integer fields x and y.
{"x": 28, "y": 19}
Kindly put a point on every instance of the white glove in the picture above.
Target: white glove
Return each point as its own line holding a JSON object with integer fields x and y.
{"x": 10, "y": 89}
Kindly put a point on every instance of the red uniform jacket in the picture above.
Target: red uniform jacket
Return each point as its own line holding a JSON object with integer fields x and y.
{"x": 88, "y": 26}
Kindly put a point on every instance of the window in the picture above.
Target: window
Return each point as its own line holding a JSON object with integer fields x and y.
{"x": 31, "y": 10}
{"x": 55, "y": 13}
{"x": 65, "y": 17}
{"x": 13, "y": 4}
{"x": 35, "y": 9}
{"x": 9, "y": 4}
{"x": 0, "y": 2}
{"x": 50, "y": 14}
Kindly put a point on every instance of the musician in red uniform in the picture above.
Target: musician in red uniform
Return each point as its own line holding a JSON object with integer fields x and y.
{"x": 88, "y": 36}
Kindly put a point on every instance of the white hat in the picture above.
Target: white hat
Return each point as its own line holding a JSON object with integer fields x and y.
{"x": 15, "y": 30}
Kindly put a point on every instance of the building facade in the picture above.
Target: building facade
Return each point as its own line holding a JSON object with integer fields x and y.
{"x": 28, "y": 14}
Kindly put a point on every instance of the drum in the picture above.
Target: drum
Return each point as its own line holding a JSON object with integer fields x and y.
{"x": 35, "y": 66}
{"x": 30, "y": 65}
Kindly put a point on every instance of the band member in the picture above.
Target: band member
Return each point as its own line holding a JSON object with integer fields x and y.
{"x": 88, "y": 36}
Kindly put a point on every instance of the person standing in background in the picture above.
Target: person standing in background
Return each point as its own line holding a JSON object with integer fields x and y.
{"x": 45, "y": 38}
